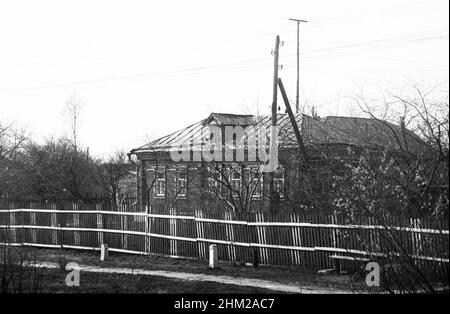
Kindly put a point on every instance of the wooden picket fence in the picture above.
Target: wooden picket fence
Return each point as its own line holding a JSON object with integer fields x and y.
{"x": 281, "y": 239}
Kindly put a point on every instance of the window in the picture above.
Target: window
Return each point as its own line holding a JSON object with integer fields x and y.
{"x": 235, "y": 180}
{"x": 213, "y": 180}
{"x": 256, "y": 182}
{"x": 160, "y": 182}
{"x": 181, "y": 182}
{"x": 278, "y": 182}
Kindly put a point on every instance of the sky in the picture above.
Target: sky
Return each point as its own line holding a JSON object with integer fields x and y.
{"x": 143, "y": 69}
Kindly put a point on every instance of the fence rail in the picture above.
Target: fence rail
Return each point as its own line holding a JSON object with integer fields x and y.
{"x": 288, "y": 240}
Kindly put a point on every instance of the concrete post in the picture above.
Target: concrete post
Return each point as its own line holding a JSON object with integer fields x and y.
{"x": 103, "y": 252}
{"x": 213, "y": 259}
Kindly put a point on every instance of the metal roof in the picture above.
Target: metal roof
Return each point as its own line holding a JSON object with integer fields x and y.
{"x": 314, "y": 131}
{"x": 376, "y": 132}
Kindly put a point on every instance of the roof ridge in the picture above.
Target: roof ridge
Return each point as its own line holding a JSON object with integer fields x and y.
{"x": 232, "y": 114}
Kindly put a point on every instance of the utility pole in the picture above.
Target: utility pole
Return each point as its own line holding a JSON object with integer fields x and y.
{"x": 273, "y": 135}
{"x": 297, "y": 105}
{"x": 275, "y": 81}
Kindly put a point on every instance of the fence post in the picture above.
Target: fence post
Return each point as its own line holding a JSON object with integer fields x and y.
{"x": 213, "y": 259}
{"x": 103, "y": 252}
{"x": 99, "y": 225}
{"x": 255, "y": 258}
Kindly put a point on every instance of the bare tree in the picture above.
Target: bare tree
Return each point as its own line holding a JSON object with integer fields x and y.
{"x": 112, "y": 172}
{"x": 74, "y": 106}
{"x": 235, "y": 184}
{"x": 12, "y": 143}
{"x": 419, "y": 131}
{"x": 254, "y": 110}
{"x": 408, "y": 179}
{"x": 11, "y": 140}
{"x": 58, "y": 171}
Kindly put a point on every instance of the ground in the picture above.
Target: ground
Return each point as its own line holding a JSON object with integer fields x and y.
{"x": 54, "y": 279}
{"x": 54, "y": 282}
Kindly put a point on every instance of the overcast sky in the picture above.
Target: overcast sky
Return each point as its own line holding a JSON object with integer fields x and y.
{"x": 145, "y": 68}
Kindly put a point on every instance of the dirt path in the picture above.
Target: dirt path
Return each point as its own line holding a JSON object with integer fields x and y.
{"x": 257, "y": 283}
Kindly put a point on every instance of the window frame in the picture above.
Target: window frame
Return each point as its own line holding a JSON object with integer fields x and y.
{"x": 259, "y": 180}
{"x": 276, "y": 180}
{"x": 232, "y": 181}
{"x": 160, "y": 182}
{"x": 181, "y": 170}
{"x": 213, "y": 181}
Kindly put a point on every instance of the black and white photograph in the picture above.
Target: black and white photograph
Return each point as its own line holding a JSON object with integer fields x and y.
{"x": 224, "y": 155}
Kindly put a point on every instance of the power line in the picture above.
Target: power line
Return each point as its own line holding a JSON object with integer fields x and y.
{"x": 316, "y": 23}
{"x": 373, "y": 45}
{"x": 362, "y": 14}
{"x": 144, "y": 51}
{"x": 188, "y": 71}
{"x": 395, "y": 40}
{"x": 213, "y": 68}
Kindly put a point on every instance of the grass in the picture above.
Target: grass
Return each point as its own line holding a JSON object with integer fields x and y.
{"x": 54, "y": 282}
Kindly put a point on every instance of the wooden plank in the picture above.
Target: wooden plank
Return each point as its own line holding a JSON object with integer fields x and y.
{"x": 350, "y": 258}
{"x": 147, "y": 230}
{"x": 200, "y": 234}
{"x": 99, "y": 220}
{"x": 173, "y": 232}
{"x": 33, "y": 231}
{"x": 54, "y": 232}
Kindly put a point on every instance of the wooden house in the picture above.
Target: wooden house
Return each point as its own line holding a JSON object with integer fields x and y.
{"x": 240, "y": 184}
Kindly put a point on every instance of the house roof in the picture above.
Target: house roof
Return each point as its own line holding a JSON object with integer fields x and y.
{"x": 314, "y": 131}
{"x": 375, "y": 132}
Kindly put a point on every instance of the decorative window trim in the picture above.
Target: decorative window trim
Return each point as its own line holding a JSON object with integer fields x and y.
{"x": 214, "y": 183}
{"x": 216, "y": 186}
{"x": 181, "y": 170}
{"x": 279, "y": 177}
{"x": 160, "y": 181}
{"x": 259, "y": 192}
{"x": 232, "y": 181}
